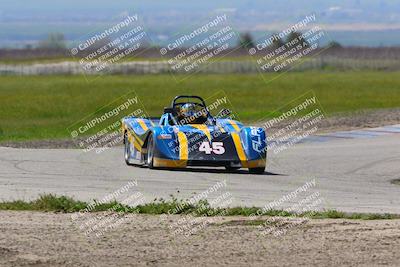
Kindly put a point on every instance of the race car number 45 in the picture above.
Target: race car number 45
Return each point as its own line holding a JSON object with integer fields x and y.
{"x": 215, "y": 147}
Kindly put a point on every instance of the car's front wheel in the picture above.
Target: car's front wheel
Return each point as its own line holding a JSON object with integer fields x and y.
{"x": 127, "y": 150}
{"x": 150, "y": 152}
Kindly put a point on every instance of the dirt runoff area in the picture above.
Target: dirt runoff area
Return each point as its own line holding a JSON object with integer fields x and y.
{"x": 51, "y": 239}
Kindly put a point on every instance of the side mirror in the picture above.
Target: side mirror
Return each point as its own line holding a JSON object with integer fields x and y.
{"x": 223, "y": 113}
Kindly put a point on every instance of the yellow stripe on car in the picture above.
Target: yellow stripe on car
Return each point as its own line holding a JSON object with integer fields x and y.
{"x": 234, "y": 125}
{"x": 137, "y": 138}
{"x": 137, "y": 146}
{"x": 259, "y": 163}
{"x": 183, "y": 146}
{"x": 239, "y": 148}
{"x": 159, "y": 162}
{"x": 134, "y": 141}
{"x": 203, "y": 128}
{"x": 143, "y": 124}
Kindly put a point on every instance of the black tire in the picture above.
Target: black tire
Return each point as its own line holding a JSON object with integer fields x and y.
{"x": 257, "y": 170}
{"x": 127, "y": 149}
{"x": 150, "y": 152}
{"x": 231, "y": 169}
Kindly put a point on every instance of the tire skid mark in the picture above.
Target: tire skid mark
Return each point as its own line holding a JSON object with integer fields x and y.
{"x": 373, "y": 164}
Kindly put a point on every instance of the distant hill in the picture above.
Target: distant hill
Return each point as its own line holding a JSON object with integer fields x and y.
{"x": 351, "y": 22}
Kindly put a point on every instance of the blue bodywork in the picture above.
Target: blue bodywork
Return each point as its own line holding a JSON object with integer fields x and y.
{"x": 219, "y": 142}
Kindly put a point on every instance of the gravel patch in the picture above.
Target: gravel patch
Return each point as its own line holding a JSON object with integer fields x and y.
{"x": 51, "y": 239}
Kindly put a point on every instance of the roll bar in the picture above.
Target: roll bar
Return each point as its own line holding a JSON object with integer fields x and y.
{"x": 188, "y": 96}
{"x": 174, "y": 102}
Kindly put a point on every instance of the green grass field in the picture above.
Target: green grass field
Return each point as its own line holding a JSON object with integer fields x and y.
{"x": 66, "y": 204}
{"x": 42, "y": 107}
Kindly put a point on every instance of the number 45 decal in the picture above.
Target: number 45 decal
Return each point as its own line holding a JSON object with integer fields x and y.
{"x": 216, "y": 148}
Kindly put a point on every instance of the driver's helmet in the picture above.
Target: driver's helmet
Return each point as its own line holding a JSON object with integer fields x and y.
{"x": 188, "y": 110}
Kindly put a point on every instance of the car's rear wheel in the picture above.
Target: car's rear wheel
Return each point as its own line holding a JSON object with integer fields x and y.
{"x": 257, "y": 170}
{"x": 127, "y": 150}
{"x": 150, "y": 152}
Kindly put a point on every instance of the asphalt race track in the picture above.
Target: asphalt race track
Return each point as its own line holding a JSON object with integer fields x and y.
{"x": 353, "y": 172}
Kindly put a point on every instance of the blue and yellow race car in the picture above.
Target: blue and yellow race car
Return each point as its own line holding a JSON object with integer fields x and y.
{"x": 188, "y": 135}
